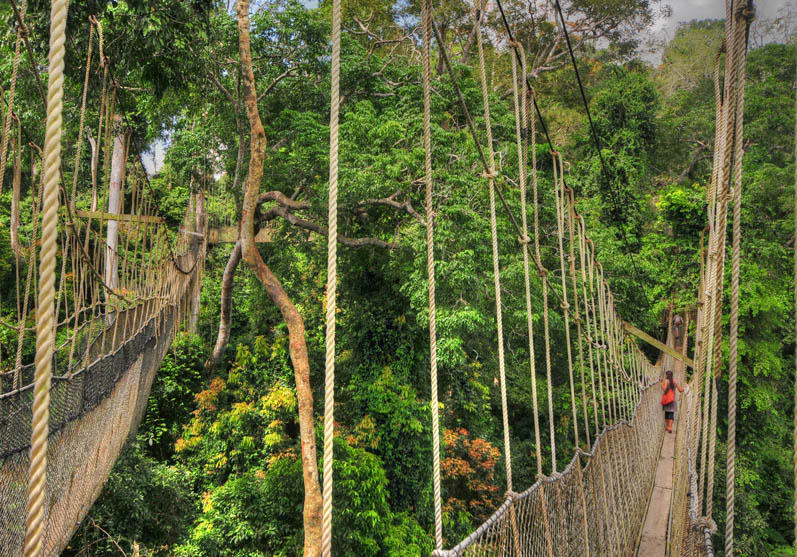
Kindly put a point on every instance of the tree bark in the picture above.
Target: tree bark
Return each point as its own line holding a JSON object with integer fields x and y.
{"x": 296, "y": 334}
{"x": 239, "y": 162}
{"x": 114, "y": 206}
{"x": 227, "y": 283}
{"x": 94, "y": 162}
{"x": 199, "y": 226}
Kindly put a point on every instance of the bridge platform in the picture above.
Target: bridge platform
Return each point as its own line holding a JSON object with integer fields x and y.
{"x": 654, "y": 533}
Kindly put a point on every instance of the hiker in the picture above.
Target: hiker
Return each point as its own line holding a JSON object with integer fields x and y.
{"x": 668, "y": 399}
{"x": 677, "y": 325}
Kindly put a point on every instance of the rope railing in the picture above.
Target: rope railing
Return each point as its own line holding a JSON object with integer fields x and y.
{"x": 100, "y": 337}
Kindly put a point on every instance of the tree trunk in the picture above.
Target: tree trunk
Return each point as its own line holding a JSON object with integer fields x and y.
{"x": 94, "y": 162}
{"x": 239, "y": 163}
{"x": 440, "y": 58}
{"x": 227, "y": 283}
{"x": 199, "y": 227}
{"x": 251, "y": 255}
{"x": 114, "y": 207}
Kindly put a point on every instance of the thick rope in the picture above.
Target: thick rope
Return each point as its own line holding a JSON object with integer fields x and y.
{"x": 579, "y": 332}
{"x": 491, "y": 175}
{"x": 79, "y": 147}
{"x": 521, "y": 118}
{"x": 737, "y": 33}
{"x": 741, "y": 60}
{"x": 496, "y": 267}
{"x": 45, "y": 308}
{"x": 559, "y": 193}
{"x": 582, "y": 247}
{"x": 427, "y": 147}
{"x": 546, "y": 332}
{"x": 332, "y": 246}
{"x": 11, "y": 91}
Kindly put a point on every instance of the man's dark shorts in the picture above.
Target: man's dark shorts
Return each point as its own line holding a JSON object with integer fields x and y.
{"x": 669, "y": 415}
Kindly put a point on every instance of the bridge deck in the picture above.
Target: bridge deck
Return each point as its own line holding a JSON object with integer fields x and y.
{"x": 653, "y": 542}
{"x": 654, "y": 533}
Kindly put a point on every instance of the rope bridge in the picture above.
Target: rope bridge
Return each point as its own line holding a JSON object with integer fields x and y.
{"x": 69, "y": 402}
{"x": 107, "y": 294}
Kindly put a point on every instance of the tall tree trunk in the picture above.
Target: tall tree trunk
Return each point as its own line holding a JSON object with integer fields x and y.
{"x": 199, "y": 227}
{"x": 239, "y": 163}
{"x": 114, "y": 207}
{"x": 94, "y": 162}
{"x": 251, "y": 255}
{"x": 227, "y": 283}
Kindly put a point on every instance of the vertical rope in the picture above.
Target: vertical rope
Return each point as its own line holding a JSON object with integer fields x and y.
{"x": 82, "y": 116}
{"x": 427, "y": 147}
{"x": 559, "y": 192}
{"x": 741, "y": 60}
{"x": 332, "y": 246}
{"x": 582, "y": 248}
{"x": 521, "y": 119}
{"x": 543, "y": 273}
{"x": 11, "y": 91}
{"x": 45, "y": 308}
{"x": 577, "y": 319}
{"x": 496, "y": 268}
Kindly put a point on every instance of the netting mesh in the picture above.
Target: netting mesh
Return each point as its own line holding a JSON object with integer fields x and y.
{"x": 103, "y": 375}
{"x": 688, "y": 534}
{"x": 598, "y": 501}
{"x": 92, "y": 415}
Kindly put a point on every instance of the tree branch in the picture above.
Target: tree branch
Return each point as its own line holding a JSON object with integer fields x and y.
{"x": 305, "y": 224}
{"x": 390, "y": 201}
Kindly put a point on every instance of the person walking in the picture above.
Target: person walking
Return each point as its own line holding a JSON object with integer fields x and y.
{"x": 668, "y": 402}
{"x": 677, "y": 326}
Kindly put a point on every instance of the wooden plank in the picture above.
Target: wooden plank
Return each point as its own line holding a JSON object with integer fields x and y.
{"x": 657, "y": 343}
{"x": 229, "y": 235}
{"x": 125, "y": 218}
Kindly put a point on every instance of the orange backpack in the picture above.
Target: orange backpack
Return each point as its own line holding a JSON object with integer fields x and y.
{"x": 668, "y": 396}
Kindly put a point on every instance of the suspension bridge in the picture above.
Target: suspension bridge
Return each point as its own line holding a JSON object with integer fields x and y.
{"x": 98, "y": 304}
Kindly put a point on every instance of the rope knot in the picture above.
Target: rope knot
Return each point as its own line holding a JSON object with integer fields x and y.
{"x": 524, "y": 240}
{"x": 577, "y": 320}
{"x": 746, "y": 11}
{"x": 490, "y": 174}
{"x": 542, "y": 273}
{"x": 565, "y": 306}
{"x": 514, "y": 43}
{"x": 510, "y": 495}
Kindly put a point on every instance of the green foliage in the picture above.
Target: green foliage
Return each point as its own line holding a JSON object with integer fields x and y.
{"x": 144, "y": 501}
{"x": 260, "y": 513}
{"x": 172, "y": 397}
{"x": 216, "y": 470}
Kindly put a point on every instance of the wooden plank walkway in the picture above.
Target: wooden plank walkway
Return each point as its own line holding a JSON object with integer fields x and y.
{"x": 653, "y": 542}
{"x": 654, "y": 533}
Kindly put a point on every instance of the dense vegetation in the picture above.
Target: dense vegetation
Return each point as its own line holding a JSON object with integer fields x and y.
{"x": 216, "y": 466}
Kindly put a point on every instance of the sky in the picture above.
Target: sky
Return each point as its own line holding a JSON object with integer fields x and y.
{"x": 687, "y": 10}
{"x": 684, "y": 11}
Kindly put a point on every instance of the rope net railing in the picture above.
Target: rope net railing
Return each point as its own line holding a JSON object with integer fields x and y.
{"x": 112, "y": 280}
{"x": 692, "y": 523}
{"x": 597, "y": 503}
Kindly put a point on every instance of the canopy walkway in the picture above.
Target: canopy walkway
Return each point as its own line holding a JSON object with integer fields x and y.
{"x": 68, "y": 405}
